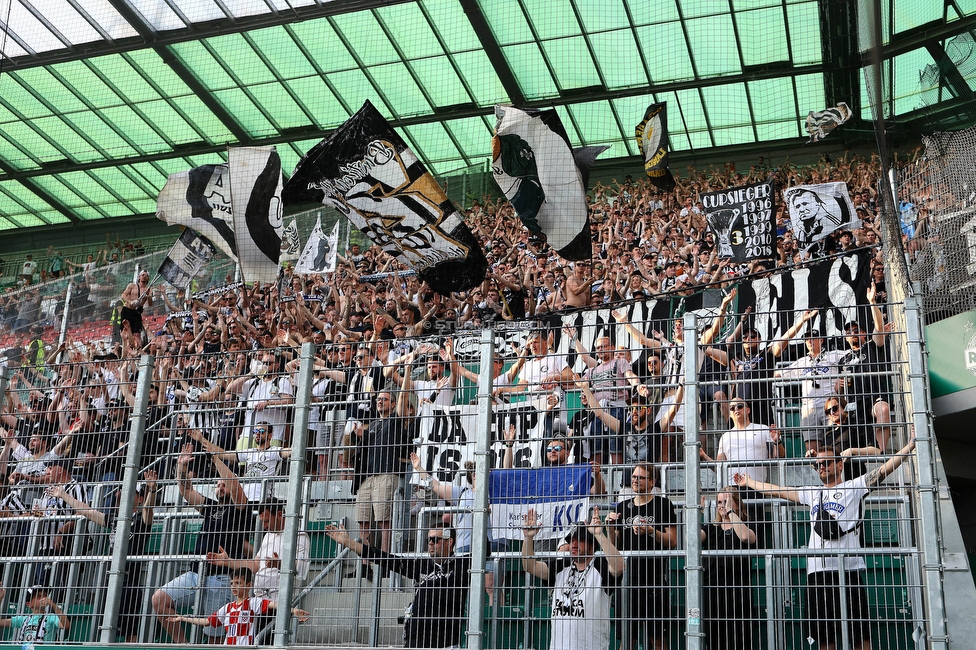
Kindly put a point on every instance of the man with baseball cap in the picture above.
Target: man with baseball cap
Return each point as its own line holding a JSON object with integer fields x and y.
{"x": 582, "y": 583}
{"x": 818, "y": 372}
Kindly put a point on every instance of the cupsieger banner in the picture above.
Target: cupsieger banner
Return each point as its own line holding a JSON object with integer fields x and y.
{"x": 743, "y": 220}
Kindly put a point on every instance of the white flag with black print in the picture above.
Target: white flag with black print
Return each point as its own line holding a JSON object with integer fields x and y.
{"x": 320, "y": 251}
{"x": 200, "y": 199}
{"x": 818, "y": 210}
{"x": 256, "y": 196}
{"x": 291, "y": 243}
{"x": 186, "y": 259}
{"x": 544, "y": 178}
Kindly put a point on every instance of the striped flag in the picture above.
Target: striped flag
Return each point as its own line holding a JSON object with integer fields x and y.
{"x": 544, "y": 177}
{"x": 186, "y": 259}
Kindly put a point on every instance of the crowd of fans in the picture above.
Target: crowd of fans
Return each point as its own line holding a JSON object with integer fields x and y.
{"x": 221, "y": 403}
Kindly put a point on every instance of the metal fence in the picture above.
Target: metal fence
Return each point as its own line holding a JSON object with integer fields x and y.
{"x": 577, "y": 484}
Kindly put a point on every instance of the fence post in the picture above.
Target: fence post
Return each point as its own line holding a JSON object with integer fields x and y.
{"x": 692, "y": 510}
{"x": 479, "y": 515}
{"x": 293, "y": 499}
{"x": 930, "y": 533}
{"x": 127, "y": 497}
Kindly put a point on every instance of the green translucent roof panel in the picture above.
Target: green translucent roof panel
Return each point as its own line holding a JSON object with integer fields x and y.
{"x": 280, "y": 106}
{"x": 472, "y": 135}
{"x": 401, "y": 91}
{"x": 774, "y": 44}
{"x": 572, "y": 63}
{"x": 507, "y": 20}
{"x": 530, "y": 69}
{"x": 452, "y": 26}
{"x": 727, "y": 105}
{"x": 481, "y": 78}
{"x": 674, "y": 67}
{"x": 552, "y": 19}
{"x": 713, "y": 46}
{"x": 323, "y": 45}
{"x": 803, "y": 23}
{"x": 434, "y": 141}
{"x": 596, "y": 122}
{"x": 619, "y": 59}
{"x": 904, "y": 72}
{"x": 318, "y": 98}
{"x": 355, "y": 88}
{"x": 410, "y": 30}
{"x": 366, "y": 37}
{"x": 283, "y": 53}
{"x": 440, "y": 81}
{"x": 603, "y": 15}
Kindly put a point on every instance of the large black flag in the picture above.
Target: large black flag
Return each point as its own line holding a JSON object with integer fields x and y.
{"x": 366, "y": 171}
{"x": 652, "y": 139}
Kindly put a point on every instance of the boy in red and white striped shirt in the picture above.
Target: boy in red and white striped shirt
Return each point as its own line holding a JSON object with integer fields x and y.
{"x": 238, "y": 618}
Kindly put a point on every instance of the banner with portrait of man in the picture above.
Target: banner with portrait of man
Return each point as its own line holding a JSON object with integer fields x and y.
{"x": 367, "y": 172}
{"x": 818, "y": 210}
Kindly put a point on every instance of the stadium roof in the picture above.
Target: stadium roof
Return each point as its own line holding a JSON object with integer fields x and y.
{"x": 101, "y": 99}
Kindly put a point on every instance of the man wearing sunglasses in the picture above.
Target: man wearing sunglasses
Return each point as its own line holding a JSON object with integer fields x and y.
{"x": 747, "y": 442}
{"x": 436, "y": 616}
{"x": 835, "y": 517}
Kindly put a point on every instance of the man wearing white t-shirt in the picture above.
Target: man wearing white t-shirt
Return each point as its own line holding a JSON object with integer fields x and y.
{"x": 582, "y": 584}
{"x": 260, "y": 462}
{"x": 267, "y": 392}
{"x": 835, "y": 518}
{"x": 266, "y": 564}
{"x": 819, "y": 375}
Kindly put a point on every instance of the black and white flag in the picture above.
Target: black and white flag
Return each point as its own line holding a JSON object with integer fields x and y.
{"x": 255, "y": 182}
{"x": 652, "y": 140}
{"x": 200, "y": 199}
{"x": 818, "y": 210}
{"x": 366, "y": 171}
{"x": 320, "y": 251}
{"x": 544, "y": 177}
{"x": 819, "y": 124}
{"x": 186, "y": 259}
{"x": 743, "y": 220}
{"x": 291, "y": 243}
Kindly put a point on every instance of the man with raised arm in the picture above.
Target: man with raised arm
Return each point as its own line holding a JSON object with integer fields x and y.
{"x": 582, "y": 583}
{"x": 836, "y": 518}
{"x": 226, "y": 527}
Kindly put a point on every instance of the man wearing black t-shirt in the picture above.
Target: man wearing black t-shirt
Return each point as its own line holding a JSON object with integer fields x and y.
{"x": 436, "y": 616}
{"x": 226, "y": 527}
{"x": 867, "y": 366}
{"x": 646, "y": 523}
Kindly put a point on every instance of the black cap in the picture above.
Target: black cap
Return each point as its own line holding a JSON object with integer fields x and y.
{"x": 36, "y": 589}
{"x": 580, "y": 533}
{"x": 814, "y": 334}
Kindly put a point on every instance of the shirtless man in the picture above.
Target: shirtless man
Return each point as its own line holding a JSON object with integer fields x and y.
{"x": 578, "y": 286}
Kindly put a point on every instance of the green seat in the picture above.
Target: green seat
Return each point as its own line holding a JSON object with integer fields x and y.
{"x": 322, "y": 548}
